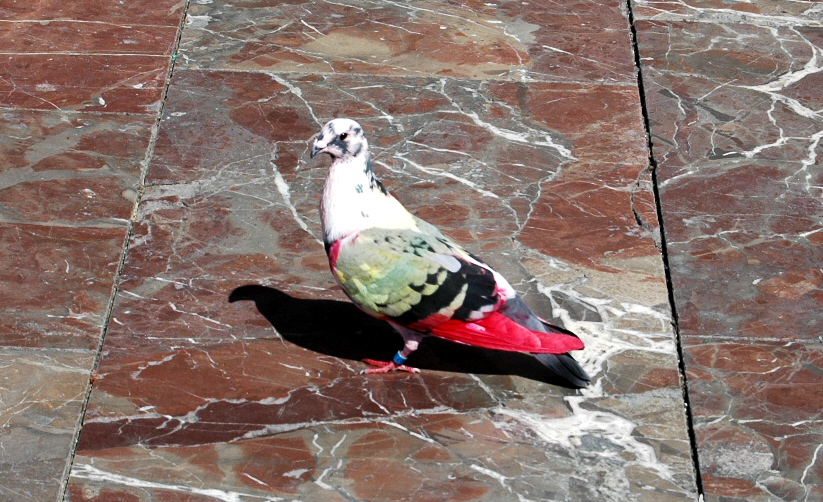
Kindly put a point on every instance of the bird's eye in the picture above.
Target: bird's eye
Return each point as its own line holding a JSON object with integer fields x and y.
{"x": 344, "y": 136}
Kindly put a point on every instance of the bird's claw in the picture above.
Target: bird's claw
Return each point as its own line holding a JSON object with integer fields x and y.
{"x": 385, "y": 367}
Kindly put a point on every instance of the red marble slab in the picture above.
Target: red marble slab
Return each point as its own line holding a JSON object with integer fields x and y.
{"x": 113, "y": 12}
{"x": 90, "y": 56}
{"x": 68, "y": 183}
{"x": 106, "y": 83}
{"x": 729, "y": 93}
{"x": 67, "y": 189}
{"x": 503, "y": 40}
{"x": 43, "y": 393}
{"x": 764, "y": 12}
{"x": 82, "y": 37}
{"x": 440, "y": 130}
{"x": 429, "y": 457}
{"x": 737, "y": 144}
{"x": 751, "y": 153}
{"x": 229, "y": 335}
{"x": 758, "y": 419}
{"x": 57, "y": 283}
{"x": 70, "y": 169}
{"x": 765, "y": 256}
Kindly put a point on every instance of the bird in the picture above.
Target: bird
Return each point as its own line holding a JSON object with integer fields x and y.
{"x": 402, "y": 269}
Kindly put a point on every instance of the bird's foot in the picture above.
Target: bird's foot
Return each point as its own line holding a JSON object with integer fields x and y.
{"x": 385, "y": 367}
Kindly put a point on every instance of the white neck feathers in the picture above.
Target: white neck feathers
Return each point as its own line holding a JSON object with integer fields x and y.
{"x": 354, "y": 201}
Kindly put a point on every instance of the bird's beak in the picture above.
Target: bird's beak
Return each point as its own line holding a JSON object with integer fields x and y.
{"x": 317, "y": 148}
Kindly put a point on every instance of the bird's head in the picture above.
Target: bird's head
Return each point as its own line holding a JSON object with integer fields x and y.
{"x": 341, "y": 139}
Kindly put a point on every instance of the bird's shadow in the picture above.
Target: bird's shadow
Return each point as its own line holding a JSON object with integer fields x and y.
{"x": 341, "y": 330}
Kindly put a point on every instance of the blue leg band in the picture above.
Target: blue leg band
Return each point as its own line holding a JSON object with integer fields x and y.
{"x": 398, "y": 359}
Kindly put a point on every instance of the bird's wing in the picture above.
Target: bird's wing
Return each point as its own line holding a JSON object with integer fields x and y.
{"x": 426, "y": 282}
{"x": 408, "y": 277}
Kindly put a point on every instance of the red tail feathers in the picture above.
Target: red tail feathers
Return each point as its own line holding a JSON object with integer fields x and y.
{"x": 501, "y": 333}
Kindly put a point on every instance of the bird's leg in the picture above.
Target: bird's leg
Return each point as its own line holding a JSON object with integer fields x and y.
{"x": 412, "y": 340}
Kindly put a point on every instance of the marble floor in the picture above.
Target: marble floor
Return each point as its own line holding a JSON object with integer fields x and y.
{"x": 647, "y": 173}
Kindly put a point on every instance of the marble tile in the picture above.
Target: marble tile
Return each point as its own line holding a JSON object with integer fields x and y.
{"x": 500, "y": 41}
{"x": 88, "y": 56}
{"x": 744, "y": 12}
{"x": 726, "y": 95}
{"x": 41, "y": 400}
{"x": 231, "y": 365}
{"x": 437, "y": 456}
{"x": 97, "y": 82}
{"x": 83, "y": 37}
{"x": 521, "y": 162}
{"x": 113, "y": 12}
{"x": 737, "y": 138}
{"x": 70, "y": 169}
{"x": 57, "y": 282}
{"x": 757, "y": 420}
{"x": 754, "y": 273}
{"x": 732, "y": 120}
{"x": 68, "y": 183}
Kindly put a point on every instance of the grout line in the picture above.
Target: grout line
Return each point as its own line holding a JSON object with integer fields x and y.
{"x": 68, "y": 111}
{"x": 665, "y": 255}
{"x": 61, "y": 496}
{"x": 421, "y": 76}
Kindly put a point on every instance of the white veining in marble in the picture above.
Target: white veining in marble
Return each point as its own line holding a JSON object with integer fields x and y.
{"x": 92, "y": 473}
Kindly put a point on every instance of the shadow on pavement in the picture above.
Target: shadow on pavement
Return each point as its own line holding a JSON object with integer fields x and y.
{"x": 340, "y": 329}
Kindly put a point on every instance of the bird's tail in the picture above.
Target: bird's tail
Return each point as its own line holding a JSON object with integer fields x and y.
{"x": 561, "y": 365}
{"x": 564, "y": 366}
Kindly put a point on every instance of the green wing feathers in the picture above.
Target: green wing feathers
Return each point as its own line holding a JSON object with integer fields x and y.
{"x": 390, "y": 272}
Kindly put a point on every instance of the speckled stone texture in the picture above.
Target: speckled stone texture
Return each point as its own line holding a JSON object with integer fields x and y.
{"x": 734, "y": 100}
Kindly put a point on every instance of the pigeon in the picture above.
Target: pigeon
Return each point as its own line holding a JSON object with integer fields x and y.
{"x": 401, "y": 269}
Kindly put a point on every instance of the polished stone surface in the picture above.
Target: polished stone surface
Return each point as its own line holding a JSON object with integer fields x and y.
{"x": 106, "y": 56}
{"x": 42, "y": 394}
{"x": 575, "y": 41}
{"x": 504, "y": 161}
{"x": 758, "y": 419}
{"x": 230, "y": 212}
{"x": 80, "y": 86}
{"x": 68, "y": 183}
{"x": 227, "y": 363}
{"x": 734, "y": 105}
{"x": 738, "y": 127}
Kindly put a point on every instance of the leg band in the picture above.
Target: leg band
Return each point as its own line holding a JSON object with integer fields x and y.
{"x": 398, "y": 359}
